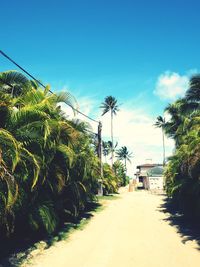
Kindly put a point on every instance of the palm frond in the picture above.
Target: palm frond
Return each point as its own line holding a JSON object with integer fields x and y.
{"x": 28, "y": 156}
{"x": 11, "y": 145}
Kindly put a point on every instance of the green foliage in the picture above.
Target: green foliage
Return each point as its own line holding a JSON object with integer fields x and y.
{"x": 43, "y": 216}
{"x": 114, "y": 177}
{"x": 182, "y": 173}
{"x": 110, "y": 180}
{"x": 48, "y": 166}
{"x": 124, "y": 154}
{"x": 120, "y": 171}
{"x": 110, "y": 104}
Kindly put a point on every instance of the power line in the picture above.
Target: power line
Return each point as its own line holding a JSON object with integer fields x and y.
{"x": 6, "y": 56}
{"x": 100, "y": 190}
{"x": 11, "y": 86}
{"x": 10, "y": 59}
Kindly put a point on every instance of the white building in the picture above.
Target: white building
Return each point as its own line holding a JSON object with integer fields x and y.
{"x": 150, "y": 176}
{"x": 155, "y": 179}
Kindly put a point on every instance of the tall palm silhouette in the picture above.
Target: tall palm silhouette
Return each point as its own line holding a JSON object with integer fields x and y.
{"x": 106, "y": 149}
{"x": 124, "y": 154}
{"x": 178, "y": 111}
{"x": 193, "y": 93}
{"x": 160, "y": 123}
{"x": 110, "y": 105}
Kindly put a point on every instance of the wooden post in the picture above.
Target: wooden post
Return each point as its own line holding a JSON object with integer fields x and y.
{"x": 99, "y": 152}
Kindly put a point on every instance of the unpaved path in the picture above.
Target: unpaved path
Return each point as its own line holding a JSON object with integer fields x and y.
{"x": 131, "y": 231}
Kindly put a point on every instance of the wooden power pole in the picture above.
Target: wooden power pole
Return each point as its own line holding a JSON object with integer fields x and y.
{"x": 99, "y": 152}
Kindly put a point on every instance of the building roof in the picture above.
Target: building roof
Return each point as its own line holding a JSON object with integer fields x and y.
{"x": 149, "y": 165}
{"x": 156, "y": 171}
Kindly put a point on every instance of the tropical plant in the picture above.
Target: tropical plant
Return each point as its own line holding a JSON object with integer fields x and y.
{"x": 161, "y": 123}
{"x": 108, "y": 146}
{"x": 182, "y": 172}
{"x": 106, "y": 149}
{"x": 120, "y": 171}
{"x": 110, "y": 181}
{"x": 124, "y": 154}
{"x": 48, "y": 166}
{"x": 193, "y": 93}
{"x": 14, "y": 83}
{"x": 110, "y": 105}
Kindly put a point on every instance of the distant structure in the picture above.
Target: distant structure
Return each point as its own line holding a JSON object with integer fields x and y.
{"x": 155, "y": 179}
{"x": 149, "y": 176}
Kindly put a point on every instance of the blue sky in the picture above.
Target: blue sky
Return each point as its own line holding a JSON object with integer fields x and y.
{"x": 97, "y": 48}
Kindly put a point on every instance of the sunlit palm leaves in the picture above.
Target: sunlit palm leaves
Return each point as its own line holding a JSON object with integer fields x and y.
{"x": 193, "y": 93}
{"x": 37, "y": 148}
{"x": 183, "y": 170}
{"x": 110, "y": 105}
{"x": 161, "y": 123}
{"x": 19, "y": 83}
{"x": 124, "y": 154}
{"x": 48, "y": 166}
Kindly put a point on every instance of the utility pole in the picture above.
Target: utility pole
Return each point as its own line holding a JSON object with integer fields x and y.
{"x": 163, "y": 136}
{"x": 99, "y": 152}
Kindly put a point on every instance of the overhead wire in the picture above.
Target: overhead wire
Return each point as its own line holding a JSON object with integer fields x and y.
{"x": 25, "y": 71}
{"x": 11, "y": 86}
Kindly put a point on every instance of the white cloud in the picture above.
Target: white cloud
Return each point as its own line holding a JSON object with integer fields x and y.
{"x": 171, "y": 85}
{"x": 86, "y": 105}
{"x": 132, "y": 128}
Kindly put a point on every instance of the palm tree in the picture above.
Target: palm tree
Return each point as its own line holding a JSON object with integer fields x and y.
{"x": 124, "y": 154}
{"x": 106, "y": 149}
{"x": 161, "y": 123}
{"x": 120, "y": 172}
{"x": 110, "y": 104}
{"x": 37, "y": 152}
{"x": 14, "y": 83}
{"x": 48, "y": 166}
{"x": 179, "y": 111}
{"x": 193, "y": 93}
{"x": 182, "y": 172}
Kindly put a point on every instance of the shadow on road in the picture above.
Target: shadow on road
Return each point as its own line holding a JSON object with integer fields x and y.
{"x": 21, "y": 248}
{"x": 189, "y": 229}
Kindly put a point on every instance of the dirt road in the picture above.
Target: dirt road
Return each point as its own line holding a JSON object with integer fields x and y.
{"x": 131, "y": 231}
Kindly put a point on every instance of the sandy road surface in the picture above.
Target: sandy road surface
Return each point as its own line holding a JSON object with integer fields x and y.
{"x": 131, "y": 231}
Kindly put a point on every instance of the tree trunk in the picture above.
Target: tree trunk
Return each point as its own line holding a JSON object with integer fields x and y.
{"x": 112, "y": 152}
{"x": 163, "y": 137}
{"x": 100, "y": 189}
{"x": 105, "y": 159}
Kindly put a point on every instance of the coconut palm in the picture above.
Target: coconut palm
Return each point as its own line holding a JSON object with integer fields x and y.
{"x": 179, "y": 112}
{"x": 161, "y": 123}
{"x": 14, "y": 83}
{"x": 48, "y": 166}
{"x": 182, "y": 172}
{"x": 124, "y": 154}
{"x": 110, "y": 105}
{"x": 193, "y": 93}
{"x": 106, "y": 149}
{"x": 110, "y": 180}
{"x": 17, "y": 163}
{"x": 37, "y": 151}
{"x": 120, "y": 172}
